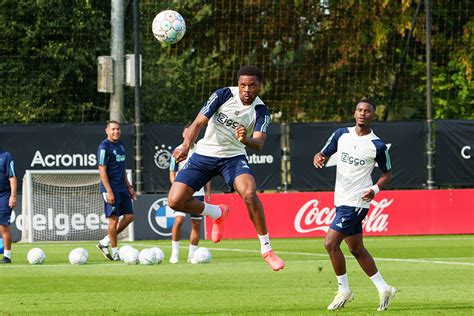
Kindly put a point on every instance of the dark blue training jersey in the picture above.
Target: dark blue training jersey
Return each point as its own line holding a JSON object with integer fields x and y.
{"x": 7, "y": 170}
{"x": 112, "y": 155}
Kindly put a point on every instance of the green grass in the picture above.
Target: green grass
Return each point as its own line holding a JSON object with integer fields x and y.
{"x": 434, "y": 276}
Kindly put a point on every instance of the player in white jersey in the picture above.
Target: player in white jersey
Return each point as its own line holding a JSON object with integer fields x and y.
{"x": 203, "y": 194}
{"x": 357, "y": 149}
{"x": 235, "y": 117}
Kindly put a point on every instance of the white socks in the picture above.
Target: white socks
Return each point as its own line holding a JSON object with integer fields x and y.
{"x": 175, "y": 248}
{"x": 7, "y": 253}
{"x": 192, "y": 248}
{"x": 213, "y": 211}
{"x": 343, "y": 283}
{"x": 115, "y": 251}
{"x": 105, "y": 241}
{"x": 264, "y": 243}
{"x": 379, "y": 282}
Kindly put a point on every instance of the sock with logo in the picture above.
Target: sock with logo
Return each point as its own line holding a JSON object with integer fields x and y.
{"x": 192, "y": 249}
{"x": 213, "y": 211}
{"x": 105, "y": 241}
{"x": 174, "y": 248}
{"x": 343, "y": 283}
{"x": 264, "y": 243}
{"x": 7, "y": 253}
{"x": 379, "y": 282}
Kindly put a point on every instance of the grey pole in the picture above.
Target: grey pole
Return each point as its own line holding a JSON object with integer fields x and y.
{"x": 117, "y": 52}
{"x": 138, "y": 126}
{"x": 429, "y": 102}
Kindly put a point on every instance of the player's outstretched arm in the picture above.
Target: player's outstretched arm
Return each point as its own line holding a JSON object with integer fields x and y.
{"x": 190, "y": 137}
{"x": 319, "y": 160}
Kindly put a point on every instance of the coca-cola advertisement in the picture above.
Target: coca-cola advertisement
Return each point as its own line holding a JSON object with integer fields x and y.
{"x": 309, "y": 214}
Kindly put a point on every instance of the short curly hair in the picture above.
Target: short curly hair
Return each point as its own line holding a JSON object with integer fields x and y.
{"x": 250, "y": 70}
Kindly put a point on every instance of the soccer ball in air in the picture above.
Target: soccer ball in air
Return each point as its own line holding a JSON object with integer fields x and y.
{"x": 78, "y": 256}
{"x": 36, "y": 256}
{"x": 131, "y": 256}
{"x": 159, "y": 254}
{"x": 202, "y": 255}
{"x": 168, "y": 26}
{"x": 147, "y": 257}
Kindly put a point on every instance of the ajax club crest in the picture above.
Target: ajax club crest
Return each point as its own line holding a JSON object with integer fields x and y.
{"x": 162, "y": 156}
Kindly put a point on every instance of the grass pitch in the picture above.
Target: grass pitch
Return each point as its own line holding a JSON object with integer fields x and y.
{"x": 433, "y": 274}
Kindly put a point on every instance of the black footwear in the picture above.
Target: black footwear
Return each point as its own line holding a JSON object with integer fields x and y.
{"x": 116, "y": 257}
{"x": 104, "y": 250}
{"x": 6, "y": 260}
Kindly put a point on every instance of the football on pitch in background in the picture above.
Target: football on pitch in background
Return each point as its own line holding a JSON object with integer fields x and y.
{"x": 168, "y": 26}
{"x": 36, "y": 256}
{"x": 131, "y": 256}
{"x": 78, "y": 256}
{"x": 147, "y": 257}
{"x": 123, "y": 251}
{"x": 202, "y": 255}
{"x": 159, "y": 254}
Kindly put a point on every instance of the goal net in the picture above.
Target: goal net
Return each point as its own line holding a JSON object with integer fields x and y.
{"x": 60, "y": 205}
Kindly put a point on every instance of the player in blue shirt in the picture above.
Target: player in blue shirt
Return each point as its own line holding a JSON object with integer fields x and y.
{"x": 236, "y": 118}
{"x": 8, "y": 185}
{"x": 357, "y": 150}
{"x": 115, "y": 189}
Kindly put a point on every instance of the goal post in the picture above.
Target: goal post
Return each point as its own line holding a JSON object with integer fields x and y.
{"x": 64, "y": 205}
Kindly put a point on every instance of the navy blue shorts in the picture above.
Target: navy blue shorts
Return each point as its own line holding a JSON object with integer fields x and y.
{"x": 200, "y": 169}
{"x": 5, "y": 210}
{"x": 348, "y": 220}
{"x": 123, "y": 204}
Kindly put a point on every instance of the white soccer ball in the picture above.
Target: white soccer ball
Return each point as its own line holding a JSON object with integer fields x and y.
{"x": 147, "y": 257}
{"x": 131, "y": 256}
{"x": 159, "y": 254}
{"x": 36, "y": 256}
{"x": 168, "y": 26}
{"x": 78, "y": 256}
{"x": 123, "y": 251}
{"x": 202, "y": 255}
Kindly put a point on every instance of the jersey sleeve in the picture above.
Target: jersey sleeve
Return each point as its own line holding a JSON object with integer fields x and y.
{"x": 382, "y": 156}
{"x": 10, "y": 165}
{"x": 218, "y": 98}
{"x": 331, "y": 144}
{"x": 263, "y": 118}
{"x": 102, "y": 156}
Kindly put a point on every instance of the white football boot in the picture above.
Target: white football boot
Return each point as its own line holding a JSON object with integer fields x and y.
{"x": 340, "y": 300}
{"x": 386, "y": 297}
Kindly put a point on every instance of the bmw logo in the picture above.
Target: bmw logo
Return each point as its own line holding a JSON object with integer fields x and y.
{"x": 160, "y": 217}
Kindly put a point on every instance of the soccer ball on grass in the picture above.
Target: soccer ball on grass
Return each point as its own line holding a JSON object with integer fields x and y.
{"x": 159, "y": 254}
{"x": 202, "y": 255}
{"x": 168, "y": 26}
{"x": 78, "y": 256}
{"x": 36, "y": 256}
{"x": 147, "y": 257}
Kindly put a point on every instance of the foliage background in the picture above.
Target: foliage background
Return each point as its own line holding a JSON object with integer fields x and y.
{"x": 318, "y": 58}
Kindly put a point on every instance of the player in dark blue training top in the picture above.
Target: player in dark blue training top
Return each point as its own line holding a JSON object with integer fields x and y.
{"x": 115, "y": 189}
{"x": 8, "y": 186}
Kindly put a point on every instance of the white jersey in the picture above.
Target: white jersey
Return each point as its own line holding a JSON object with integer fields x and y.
{"x": 226, "y": 112}
{"x": 356, "y": 158}
{"x": 178, "y": 166}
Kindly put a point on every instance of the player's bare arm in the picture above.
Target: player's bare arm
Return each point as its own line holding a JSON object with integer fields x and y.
{"x": 382, "y": 182}
{"x": 255, "y": 142}
{"x": 13, "y": 186}
{"x": 319, "y": 160}
{"x": 190, "y": 136}
{"x": 105, "y": 181}
{"x": 130, "y": 189}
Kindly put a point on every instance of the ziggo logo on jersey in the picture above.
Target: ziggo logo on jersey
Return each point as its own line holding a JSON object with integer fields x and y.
{"x": 345, "y": 157}
{"x": 226, "y": 121}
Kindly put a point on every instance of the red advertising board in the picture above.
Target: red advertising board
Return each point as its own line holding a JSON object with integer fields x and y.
{"x": 309, "y": 214}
